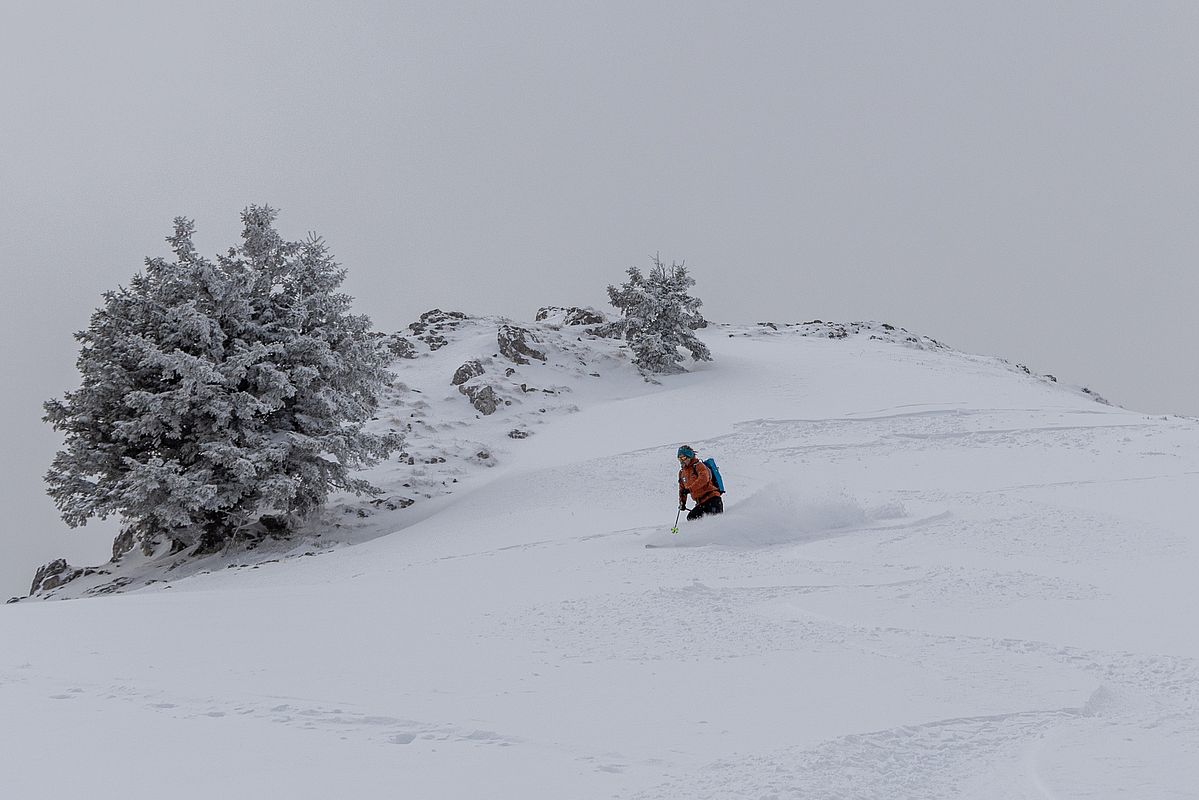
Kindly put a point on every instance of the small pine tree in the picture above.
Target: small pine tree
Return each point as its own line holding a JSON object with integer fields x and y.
{"x": 659, "y": 317}
{"x": 217, "y": 395}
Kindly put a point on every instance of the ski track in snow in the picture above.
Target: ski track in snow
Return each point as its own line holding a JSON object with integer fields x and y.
{"x": 932, "y": 760}
{"x": 936, "y": 759}
{"x": 944, "y": 758}
{"x": 342, "y": 721}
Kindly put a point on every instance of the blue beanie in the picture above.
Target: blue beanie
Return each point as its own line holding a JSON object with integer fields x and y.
{"x": 686, "y": 451}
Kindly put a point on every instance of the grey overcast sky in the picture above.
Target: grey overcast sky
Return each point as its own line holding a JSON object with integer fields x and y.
{"x": 1013, "y": 178}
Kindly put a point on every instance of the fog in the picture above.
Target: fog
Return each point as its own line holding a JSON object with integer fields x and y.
{"x": 1012, "y": 179}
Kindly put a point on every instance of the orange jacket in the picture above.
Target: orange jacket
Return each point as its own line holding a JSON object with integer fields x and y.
{"x": 695, "y": 479}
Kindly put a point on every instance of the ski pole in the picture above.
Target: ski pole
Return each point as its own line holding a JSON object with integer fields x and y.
{"x": 675, "y": 529}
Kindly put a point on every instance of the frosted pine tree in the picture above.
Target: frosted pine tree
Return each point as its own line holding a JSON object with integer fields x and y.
{"x": 218, "y": 398}
{"x": 659, "y": 317}
{"x": 326, "y": 369}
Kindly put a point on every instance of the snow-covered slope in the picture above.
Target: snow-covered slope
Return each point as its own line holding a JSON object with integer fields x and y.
{"x": 938, "y": 577}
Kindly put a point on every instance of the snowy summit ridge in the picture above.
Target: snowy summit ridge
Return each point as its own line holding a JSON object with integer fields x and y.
{"x": 467, "y": 389}
{"x": 937, "y": 576}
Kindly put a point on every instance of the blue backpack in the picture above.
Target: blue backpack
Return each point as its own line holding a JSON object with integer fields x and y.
{"x": 710, "y": 463}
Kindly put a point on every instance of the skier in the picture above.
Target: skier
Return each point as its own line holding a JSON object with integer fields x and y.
{"x": 695, "y": 479}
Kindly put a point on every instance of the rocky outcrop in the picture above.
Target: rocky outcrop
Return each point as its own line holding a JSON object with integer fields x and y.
{"x": 514, "y": 343}
{"x": 53, "y": 575}
{"x": 399, "y": 347}
{"x": 482, "y": 397}
{"x": 880, "y": 331}
{"x": 393, "y": 503}
{"x": 471, "y": 369}
{"x": 569, "y": 316}
{"x": 433, "y": 324}
{"x": 609, "y": 330}
{"x": 584, "y": 316}
{"x": 124, "y": 542}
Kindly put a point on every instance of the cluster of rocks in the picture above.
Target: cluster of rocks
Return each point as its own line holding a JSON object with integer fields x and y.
{"x": 594, "y": 323}
{"x": 399, "y": 346}
{"x": 1091, "y": 393}
{"x": 880, "y": 331}
{"x": 392, "y": 503}
{"x": 433, "y": 324}
{"x": 483, "y": 397}
{"x": 560, "y": 316}
{"x": 515, "y": 344}
{"x": 57, "y": 573}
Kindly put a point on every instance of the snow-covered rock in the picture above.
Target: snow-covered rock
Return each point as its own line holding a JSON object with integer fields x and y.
{"x": 50, "y": 576}
{"x": 570, "y": 316}
{"x": 516, "y": 344}
{"x": 471, "y": 369}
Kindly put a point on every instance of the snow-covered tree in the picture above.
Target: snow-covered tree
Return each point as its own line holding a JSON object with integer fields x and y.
{"x": 659, "y": 317}
{"x": 219, "y": 396}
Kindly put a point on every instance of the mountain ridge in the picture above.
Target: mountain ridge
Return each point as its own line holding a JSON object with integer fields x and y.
{"x": 937, "y": 576}
{"x": 530, "y": 376}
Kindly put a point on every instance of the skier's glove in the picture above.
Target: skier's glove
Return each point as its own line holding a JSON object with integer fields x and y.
{"x": 682, "y": 506}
